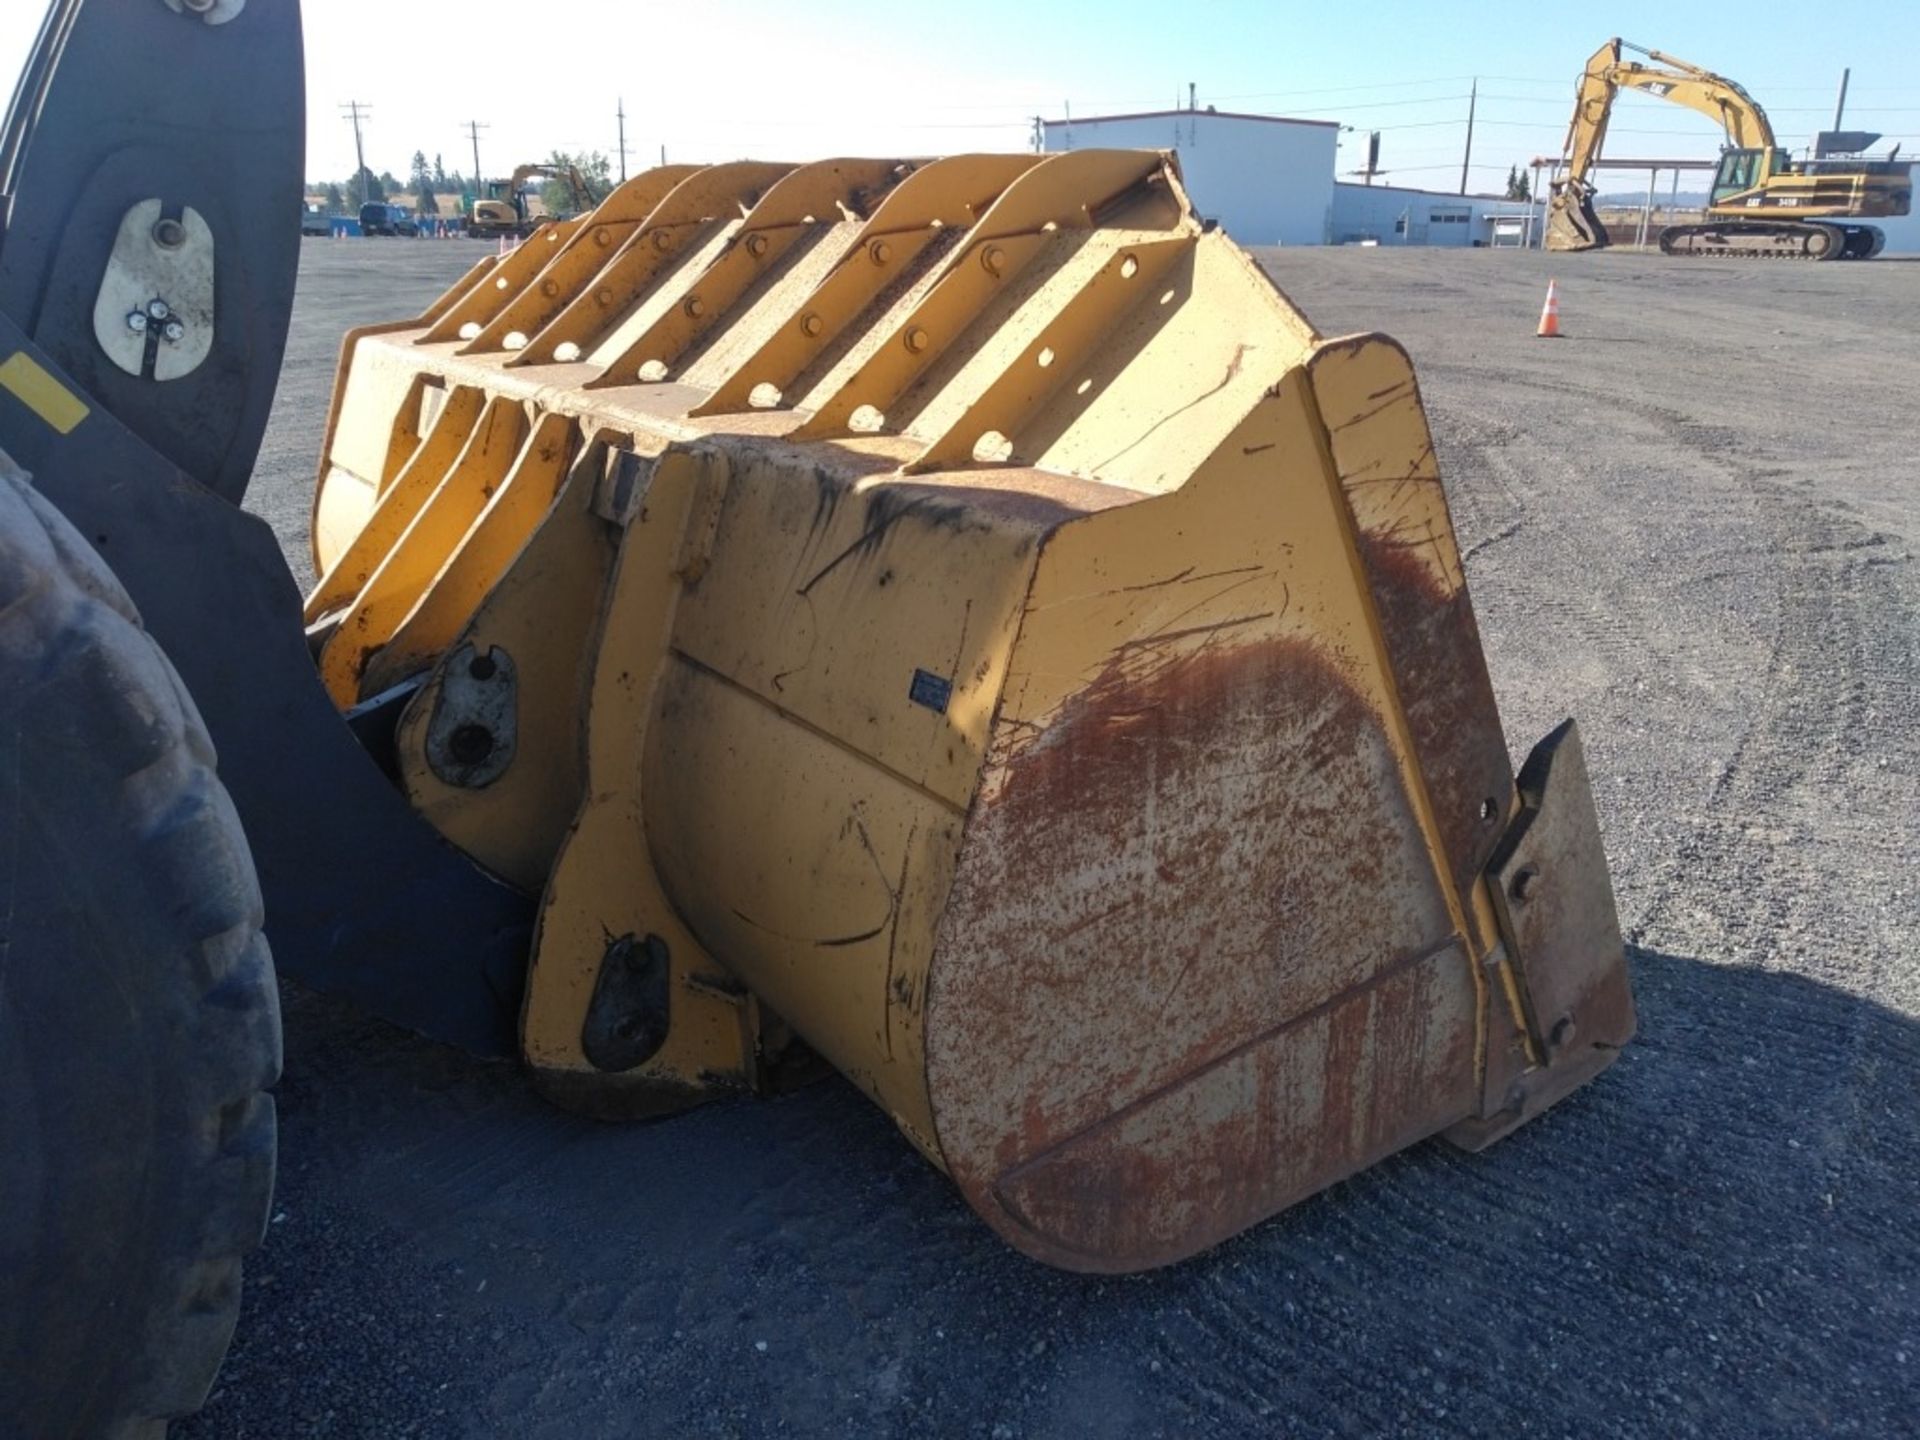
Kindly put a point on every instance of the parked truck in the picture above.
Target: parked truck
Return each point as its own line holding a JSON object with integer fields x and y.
{"x": 379, "y": 218}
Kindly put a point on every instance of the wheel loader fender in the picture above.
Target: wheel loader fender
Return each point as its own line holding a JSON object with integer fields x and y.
{"x": 1031, "y": 665}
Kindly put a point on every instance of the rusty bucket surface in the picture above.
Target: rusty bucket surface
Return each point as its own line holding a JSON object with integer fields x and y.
{"x": 958, "y": 615}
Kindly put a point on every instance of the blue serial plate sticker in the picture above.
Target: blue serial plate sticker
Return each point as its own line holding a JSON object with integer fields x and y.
{"x": 930, "y": 690}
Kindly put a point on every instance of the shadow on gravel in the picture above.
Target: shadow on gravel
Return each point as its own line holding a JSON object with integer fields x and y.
{"x": 1717, "y": 1238}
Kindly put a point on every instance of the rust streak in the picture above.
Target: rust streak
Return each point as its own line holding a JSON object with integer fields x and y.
{"x": 960, "y": 646}
{"x": 893, "y": 936}
{"x": 1169, "y": 636}
{"x": 1153, "y": 584}
{"x": 1207, "y": 600}
{"x": 1377, "y": 980}
{"x": 1178, "y": 981}
{"x": 1186, "y": 576}
{"x": 1233, "y": 369}
{"x": 867, "y": 539}
{"x": 1097, "y": 917}
{"x": 829, "y": 943}
{"x": 813, "y": 643}
{"x": 1415, "y": 475}
{"x": 1386, "y": 399}
{"x": 1420, "y": 470}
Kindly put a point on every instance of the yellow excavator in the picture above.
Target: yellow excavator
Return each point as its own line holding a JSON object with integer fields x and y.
{"x": 506, "y": 211}
{"x": 1763, "y": 202}
{"x": 953, "y": 619}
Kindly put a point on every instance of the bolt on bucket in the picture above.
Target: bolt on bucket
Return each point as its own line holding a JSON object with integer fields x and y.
{"x": 958, "y": 619}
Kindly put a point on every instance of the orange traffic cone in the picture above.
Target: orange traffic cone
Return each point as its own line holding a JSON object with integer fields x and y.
{"x": 1550, "y": 315}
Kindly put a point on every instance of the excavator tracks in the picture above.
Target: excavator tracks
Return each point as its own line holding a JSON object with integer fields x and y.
{"x": 1774, "y": 240}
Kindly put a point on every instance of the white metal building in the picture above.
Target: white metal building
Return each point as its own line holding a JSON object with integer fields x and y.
{"x": 1266, "y": 180}
{"x": 1393, "y": 215}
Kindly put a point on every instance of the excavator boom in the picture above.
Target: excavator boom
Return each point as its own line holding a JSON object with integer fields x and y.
{"x": 576, "y": 182}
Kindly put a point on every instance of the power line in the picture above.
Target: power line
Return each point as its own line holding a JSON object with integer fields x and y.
{"x": 1349, "y": 89}
{"x": 1437, "y": 124}
{"x": 1159, "y": 103}
{"x": 1453, "y": 99}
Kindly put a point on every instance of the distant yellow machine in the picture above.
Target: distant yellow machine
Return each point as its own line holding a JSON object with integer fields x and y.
{"x": 1763, "y": 203}
{"x": 505, "y": 210}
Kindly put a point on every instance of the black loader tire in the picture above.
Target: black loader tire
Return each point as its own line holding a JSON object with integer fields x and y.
{"x": 139, "y": 1018}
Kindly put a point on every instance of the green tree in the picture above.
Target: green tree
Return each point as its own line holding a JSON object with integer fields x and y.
{"x": 1519, "y": 186}
{"x": 422, "y": 185}
{"x": 369, "y": 186}
{"x": 331, "y": 197}
{"x": 594, "y": 167}
{"x": 440, "y": 182}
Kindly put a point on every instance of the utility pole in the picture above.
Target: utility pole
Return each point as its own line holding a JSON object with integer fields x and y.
{"x": 357, "y": 112}
{"x": 622, "y": 113}
{"x": 474, "y": 127}
{"x": 1466, "y": 161}
{"x": 1840, "y": 105}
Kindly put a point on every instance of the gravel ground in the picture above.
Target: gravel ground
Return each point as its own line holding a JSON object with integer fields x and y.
{"x": 1692, "y": 523}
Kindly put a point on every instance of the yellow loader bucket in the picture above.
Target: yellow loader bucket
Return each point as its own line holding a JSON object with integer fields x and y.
{"x": 958, "y": 615}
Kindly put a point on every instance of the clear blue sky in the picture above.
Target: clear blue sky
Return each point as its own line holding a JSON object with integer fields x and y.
{"x": 802, "y": 80}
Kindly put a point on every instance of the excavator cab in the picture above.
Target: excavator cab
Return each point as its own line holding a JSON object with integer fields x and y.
{"x": 1744, "y": 171}
{"x": 502, "y": 211}
{"x": 1738, "y": 173}
{"x": 508, "y": 194}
